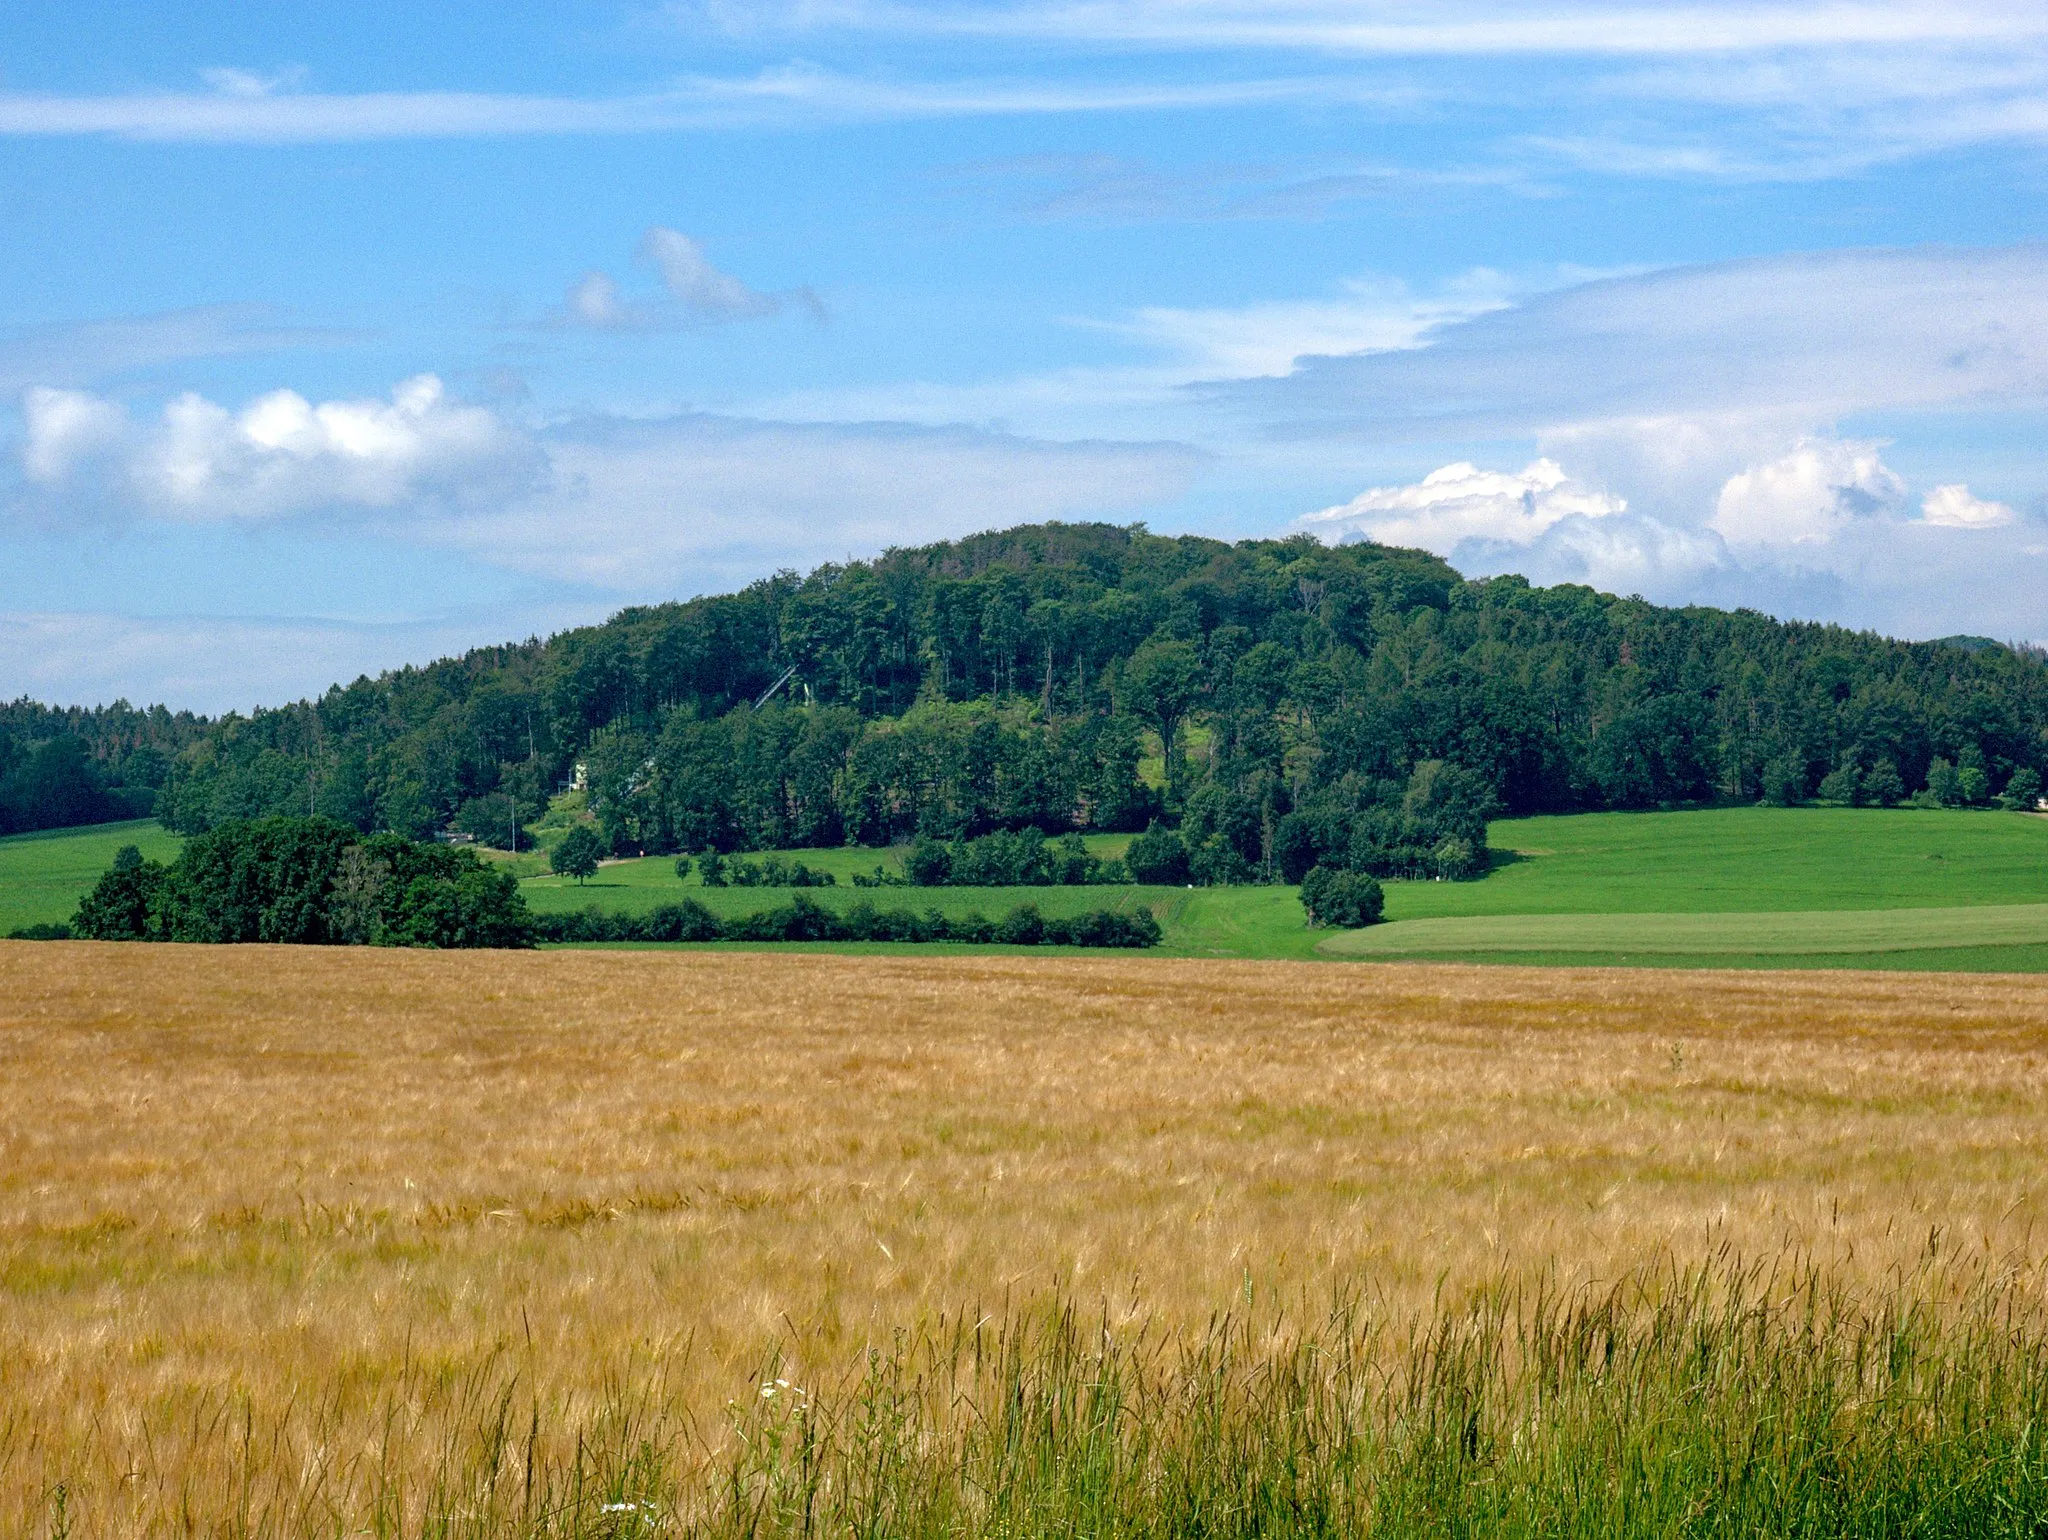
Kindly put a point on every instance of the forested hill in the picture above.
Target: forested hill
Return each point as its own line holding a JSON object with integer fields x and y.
{"x": 1029, "y": 677}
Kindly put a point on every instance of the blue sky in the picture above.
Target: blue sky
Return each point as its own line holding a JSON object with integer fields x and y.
{"x": 336, "y": 338}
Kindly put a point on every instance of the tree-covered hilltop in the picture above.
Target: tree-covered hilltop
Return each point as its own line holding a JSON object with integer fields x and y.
{"x": 1277, "y": 702}
{"x": 71, "y": 765}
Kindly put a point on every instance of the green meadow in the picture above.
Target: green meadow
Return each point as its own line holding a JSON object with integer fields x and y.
{"x": 1556, "y": 885}
{"x": 1721, "y": 887}
{"x": 43, "y": 875}
{"x": 1739, "y": 887}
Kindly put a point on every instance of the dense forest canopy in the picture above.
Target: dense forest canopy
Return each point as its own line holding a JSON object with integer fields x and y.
{"x": 70, "y": 765}
{"x": 1279, "y": 702}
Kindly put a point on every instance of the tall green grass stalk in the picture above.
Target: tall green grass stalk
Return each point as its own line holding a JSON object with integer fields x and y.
{"x": 1712, "y": 1400}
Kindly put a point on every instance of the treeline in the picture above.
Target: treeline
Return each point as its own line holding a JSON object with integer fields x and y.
{"x": 316, "y": 882}
{"x": 803, "y": 919}
{"x": 60, "y": 767}
{"x": 1063, "y": 678}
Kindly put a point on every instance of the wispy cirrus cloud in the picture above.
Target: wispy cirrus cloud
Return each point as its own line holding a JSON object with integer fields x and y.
{"x": 694, "y": 291}
{"x": 1110, "y": 188}
{"x": 787, "y": 95}
{"x": 1733, "y": 93}
{"x": 1740, "y": 92}
{"x": 1181, "y": 352}
{"x": 1800, "y": 337}
{"x": 82, "y": 352}
{"x": 1409, "y": 30}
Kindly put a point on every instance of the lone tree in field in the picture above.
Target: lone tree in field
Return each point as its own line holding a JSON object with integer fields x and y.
{"x": 577, "y": 854}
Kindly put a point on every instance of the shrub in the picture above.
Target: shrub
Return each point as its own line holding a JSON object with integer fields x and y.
{"x": 1215, "y": 862}
{"x": 1022, "y": 926}
{"x": 1884, "y": 786}
{"x": 1069, "y": 864}
{"x": 1006, "y": 859}
{"x": 1843, "y": 784}
{"x": 928, "y": 864}
{"x": 119, "y": 906}
{"x": 1106, "y": 928}
{"x": 1157, "y": 857}
{"x": 2022, "y": 790}
{"x": 48, "y": 930}
{"x": 1346, "y": 900}
{"x": 1001, "y": 860}
{"x": 802, "y": 919}
{"x": 1944, "y": 786}
{"x": 775, "y": 872}
{"x": 1455, "y": 858}
{"x": 1784, "y": 781}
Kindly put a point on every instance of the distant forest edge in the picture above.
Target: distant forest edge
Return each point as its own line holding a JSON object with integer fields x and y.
{"x": 1280, "y": 704}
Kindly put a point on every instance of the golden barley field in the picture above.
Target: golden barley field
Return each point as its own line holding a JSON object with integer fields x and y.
{"x": 277, "y": 1224}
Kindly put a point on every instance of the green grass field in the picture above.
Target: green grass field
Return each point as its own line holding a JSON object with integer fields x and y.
{"x": 1764, "y": 938}
{"x": 1726, "y": 887}
{"x": 1811, "y": 868}
{"x": 43, "y": 875}
{"x": 1739, "y": 887}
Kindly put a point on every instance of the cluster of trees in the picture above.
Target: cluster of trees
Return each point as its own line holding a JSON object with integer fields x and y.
{"x": 1343, "y": 899}
{"x": 1964, "y": 784}
{"x": 1434, "y": 825}
{"x": 1022, "y": 858}
{"x": 76, "y": 766}
{"x": 1062, "y": 678}
{"x": 310, "y": 881}
{"x": 802, "y": 919}
{"x": 770, "y": 872}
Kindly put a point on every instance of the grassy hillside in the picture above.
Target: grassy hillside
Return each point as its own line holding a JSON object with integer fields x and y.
{"x": 1749, "y": 859}
{"x": 2004, "y": 937}
{"x": 1809, "y": 862}
{"x": 1741, "y": 887}
{"x": 43, "y": 876}
{"x": 1810, "y": 869}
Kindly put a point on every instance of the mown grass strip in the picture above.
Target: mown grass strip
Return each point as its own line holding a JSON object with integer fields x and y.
{"x": 1705, "y": 935}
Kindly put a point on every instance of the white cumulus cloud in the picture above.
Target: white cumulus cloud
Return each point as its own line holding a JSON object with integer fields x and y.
{"x": 279, "y": 455}
{"x": 627, "y": 505}
{"x": 65, "y": 428}
{"x": 1461, "y": 502}
{"x": 1806, "y": 497}
{"x": 1952, "y": 507}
